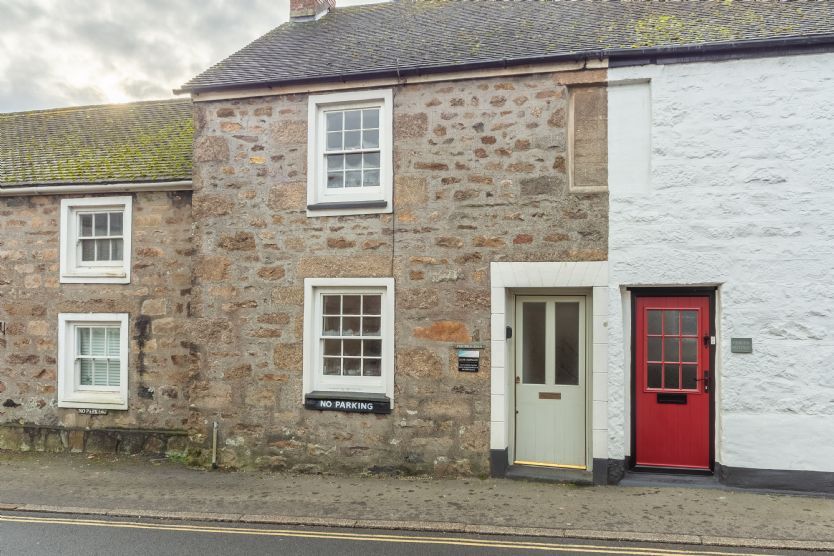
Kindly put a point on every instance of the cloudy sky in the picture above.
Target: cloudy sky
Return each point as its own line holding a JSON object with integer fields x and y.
{"x": 57, "y": 53}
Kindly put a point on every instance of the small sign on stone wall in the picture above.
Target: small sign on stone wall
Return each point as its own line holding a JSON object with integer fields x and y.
{"x": 91, "y": 411}
{"x": 348, "y": 402}
{"x": 469, "y": 360}
{"x": 741, "y": 345}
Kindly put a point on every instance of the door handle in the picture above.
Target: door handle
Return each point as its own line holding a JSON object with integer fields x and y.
{"x": 705, "y": 380}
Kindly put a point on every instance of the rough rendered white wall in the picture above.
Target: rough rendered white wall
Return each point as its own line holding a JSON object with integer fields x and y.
{"x": 741, "y": 195}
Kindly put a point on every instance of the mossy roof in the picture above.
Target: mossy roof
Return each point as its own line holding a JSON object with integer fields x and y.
{"x": 113, "y": 143}
{"x": 422, "y": 36}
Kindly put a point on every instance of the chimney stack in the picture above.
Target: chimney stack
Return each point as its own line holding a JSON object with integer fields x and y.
{"x": 309, "y": 10}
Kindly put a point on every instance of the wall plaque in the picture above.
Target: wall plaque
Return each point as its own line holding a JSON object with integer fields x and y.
{"x": 469, "y": 360}
{"x": 91, "y": 411}
{"x": 741, "y": 345}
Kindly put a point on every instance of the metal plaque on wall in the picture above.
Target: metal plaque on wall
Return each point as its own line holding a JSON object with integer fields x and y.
{"x": 469, "y": 360}
{"x": 741, "y": 345}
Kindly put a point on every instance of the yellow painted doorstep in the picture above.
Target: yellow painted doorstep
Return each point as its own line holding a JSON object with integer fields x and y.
{"x": 540, "y": 464}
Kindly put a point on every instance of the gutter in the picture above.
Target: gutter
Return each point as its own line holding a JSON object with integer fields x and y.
{"x": 182, "y": 185}
{"x": 669, "y": 54}
{"x": 618, "y": 57}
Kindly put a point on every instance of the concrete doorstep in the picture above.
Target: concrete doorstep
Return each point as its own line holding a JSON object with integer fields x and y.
{"x": 136, "y": 488}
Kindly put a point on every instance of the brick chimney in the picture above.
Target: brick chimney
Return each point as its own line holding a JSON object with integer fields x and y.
{"x": 309, "y": 10}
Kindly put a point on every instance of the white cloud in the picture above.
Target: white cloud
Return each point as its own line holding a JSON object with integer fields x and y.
{"x": 68, "y": 52}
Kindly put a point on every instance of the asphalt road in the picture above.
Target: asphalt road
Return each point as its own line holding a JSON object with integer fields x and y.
{"x": 24, "y": 534}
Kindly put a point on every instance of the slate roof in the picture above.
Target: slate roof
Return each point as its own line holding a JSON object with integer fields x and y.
{"x": 410, "y": 36}
{"x": 114, "y": 143}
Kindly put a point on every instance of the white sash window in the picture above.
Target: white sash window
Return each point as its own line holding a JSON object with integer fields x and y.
{"x": 92, "y": 360}
{"x": 349, "y": 335}
{"x": 349, "y": 165}
{"x": 96, "y": 240}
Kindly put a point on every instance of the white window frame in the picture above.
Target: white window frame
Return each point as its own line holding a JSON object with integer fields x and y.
{"x": 73, "y": 271}
{"x": 313, "y": 378}
{"x": 319, "y": 201}
{"x": 70, "y": 394}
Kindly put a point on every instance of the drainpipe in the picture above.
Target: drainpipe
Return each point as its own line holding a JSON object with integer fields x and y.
{"x": 214, "y": 446}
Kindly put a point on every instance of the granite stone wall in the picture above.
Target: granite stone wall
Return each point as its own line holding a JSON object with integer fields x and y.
{"x": 479, "y": 176}
{"x": 158, "y": 302}
{"x": 216, "y": 299}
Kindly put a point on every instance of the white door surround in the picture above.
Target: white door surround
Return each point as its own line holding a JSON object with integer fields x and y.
{"x": 509, "y": 278}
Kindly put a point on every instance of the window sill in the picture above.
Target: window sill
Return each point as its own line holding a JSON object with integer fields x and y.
{"x": 348, "y": 402}
{"x": 348, "y": 207}
{"x": 98, "y": 278}
{"x": 109, "y": 402}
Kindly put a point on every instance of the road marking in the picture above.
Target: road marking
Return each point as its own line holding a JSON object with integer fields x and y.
{"x": 369, "y": 537}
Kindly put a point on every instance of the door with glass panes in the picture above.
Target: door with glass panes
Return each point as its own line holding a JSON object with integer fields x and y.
{"x": 672, "y": 383}
{"x": 550, "y": 381}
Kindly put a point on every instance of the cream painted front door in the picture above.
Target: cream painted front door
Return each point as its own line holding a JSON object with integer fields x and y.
{"x": 550, "y": 363}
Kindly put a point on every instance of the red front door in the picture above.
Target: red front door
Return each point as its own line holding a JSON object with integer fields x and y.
{"x": 672, "y": 390}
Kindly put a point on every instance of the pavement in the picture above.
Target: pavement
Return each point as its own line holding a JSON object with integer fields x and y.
{"x": 157, "y": 488}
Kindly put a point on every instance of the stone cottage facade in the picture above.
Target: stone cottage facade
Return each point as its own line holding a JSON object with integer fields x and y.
{"x": 479, "y": 177}
{"x": 397, "y": 259}
{"x": 100, "y": 155}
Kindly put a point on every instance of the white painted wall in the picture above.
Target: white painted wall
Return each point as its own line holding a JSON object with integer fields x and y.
{"x": 740, "y": 194}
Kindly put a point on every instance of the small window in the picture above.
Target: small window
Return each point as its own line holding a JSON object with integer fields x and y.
{"x": 349, "y": 160}
{"x": 97, "y": 356}
{"x": 352, "y": 152}
{"x": 95, "y": 240}
{"x": 349, "y": 335}
{"x": 92, "y": 360}
{"x": 100, "y": 237}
